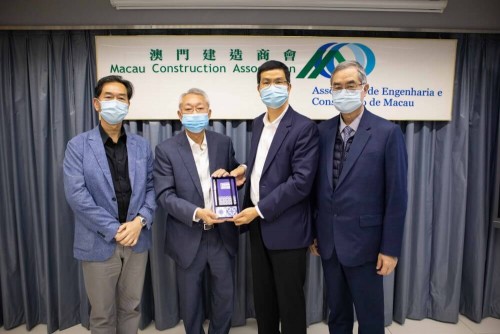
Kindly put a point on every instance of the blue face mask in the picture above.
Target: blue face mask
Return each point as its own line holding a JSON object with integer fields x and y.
{"x": 274, "y": 96}
{"x": 113, "y": 111}
{"x": 346, "y": 101}
{"x": 195, "y": 122}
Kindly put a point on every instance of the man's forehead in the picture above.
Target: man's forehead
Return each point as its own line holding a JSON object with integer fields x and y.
{"x": 273, "y": 73}
{"x": 346, "y": 74}
{"x": 193, "y": 99}
{"x": 114, "y": 87}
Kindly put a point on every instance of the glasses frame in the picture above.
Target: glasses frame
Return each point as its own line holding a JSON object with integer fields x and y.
{"x": 334, "y": 89}
{"x": 278, "y": 82}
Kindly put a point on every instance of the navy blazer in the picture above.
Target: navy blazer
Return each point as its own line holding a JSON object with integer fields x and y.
{"x": 90, "y": 192}
{"x": 286, "y": 181}
{"x": 178, "y": 191}
{"x": 365, "y": 213}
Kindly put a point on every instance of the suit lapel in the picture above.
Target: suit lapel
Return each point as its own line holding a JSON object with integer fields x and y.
{"x": 188, "y": 159}
{"x": 212, "y": 153}
{"x": 360, "y": 139}
{"x": 329, "y": 147}
{"x": 95, "y": 143}
{"x": 131, "y": 154}
{"x": 256, "y": 133}
{"x": 279, "y": 137}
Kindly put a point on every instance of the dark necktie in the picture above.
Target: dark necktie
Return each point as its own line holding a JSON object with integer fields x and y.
{"x": 346, "y": 134}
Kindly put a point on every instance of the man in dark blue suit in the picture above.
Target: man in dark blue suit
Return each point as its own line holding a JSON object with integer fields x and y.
{"x": 360, "y": 204}
{"x": 195, "y": 238}
{"x": 282, "y": 163}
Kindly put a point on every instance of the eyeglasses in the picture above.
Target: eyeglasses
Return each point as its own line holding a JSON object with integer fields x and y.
{"x": 348, "y": 87}
{"x": 201, "y": 110}
{"x": 278, "y": 82}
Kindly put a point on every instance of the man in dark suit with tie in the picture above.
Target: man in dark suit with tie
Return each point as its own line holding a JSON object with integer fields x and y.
{"x": 281, "y": 166}
{"x": 195, "y": 238}
{"x": 361, "y": 198}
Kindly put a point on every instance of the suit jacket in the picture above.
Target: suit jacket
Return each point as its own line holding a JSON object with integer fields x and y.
{"x": 365, "y": 213}
{"x": 90, "y": 192}
{"x": 286, "y": 181}
{"x": 178, "y": 191}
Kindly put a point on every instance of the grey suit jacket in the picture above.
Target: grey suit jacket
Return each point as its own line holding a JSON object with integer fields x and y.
{"x": 179, "y": 193}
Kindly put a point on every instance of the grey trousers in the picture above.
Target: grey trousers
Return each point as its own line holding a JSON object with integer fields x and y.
{"x": 114, "y": 288}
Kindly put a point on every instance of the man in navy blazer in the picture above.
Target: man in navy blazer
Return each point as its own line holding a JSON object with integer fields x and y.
{"x": 361, "y": 198}
{"x": 282, "y": 164}
{"x": 195, "y": 238}
{"x": 108, "y": 181}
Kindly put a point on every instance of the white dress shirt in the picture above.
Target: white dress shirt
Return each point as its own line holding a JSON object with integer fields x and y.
{"x": 266, "y": 138}
{"x": 200, "y": 155}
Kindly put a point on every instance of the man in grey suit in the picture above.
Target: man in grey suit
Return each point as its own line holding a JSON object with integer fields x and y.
{"x": 108, "y": 181}
{"x": 195, "y": 237}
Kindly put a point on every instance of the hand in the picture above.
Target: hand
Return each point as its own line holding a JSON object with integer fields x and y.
{"x": 386, "y": 264}
{"x": 208, "y": 216}
{"x": 239, "y": 174}
{"x": 314, "y": 247}
{"x": 245, "y": 217}
{"x": 220, "y": 173}
{"x": 128, "y": 233}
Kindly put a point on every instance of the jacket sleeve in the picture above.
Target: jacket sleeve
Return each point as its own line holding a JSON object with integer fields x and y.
{"x": 148, "y": 208}
{"x": 165, "y": 189}
{"x": 396, "y": 196}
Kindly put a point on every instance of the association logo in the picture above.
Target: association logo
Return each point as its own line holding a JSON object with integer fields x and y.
{"x": 329, "y": 55}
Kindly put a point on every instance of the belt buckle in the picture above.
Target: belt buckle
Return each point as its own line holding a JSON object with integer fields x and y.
{"x": 207, "y": 227}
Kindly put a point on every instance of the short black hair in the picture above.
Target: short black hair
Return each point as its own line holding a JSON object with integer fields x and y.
{"x": 113, "y": 78}
{"x": 273, "y": 65}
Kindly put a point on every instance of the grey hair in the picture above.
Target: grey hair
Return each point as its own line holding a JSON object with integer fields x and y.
{"x": 351, "y": 63}
{"x": 195, "y": 91}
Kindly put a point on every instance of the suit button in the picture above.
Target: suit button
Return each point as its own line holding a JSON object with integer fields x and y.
{"x": 114, "y": 199}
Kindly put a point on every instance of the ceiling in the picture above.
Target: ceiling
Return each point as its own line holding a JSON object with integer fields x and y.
{"x": 460, "y": 15}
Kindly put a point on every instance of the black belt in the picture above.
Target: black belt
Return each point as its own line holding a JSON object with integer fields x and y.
{"x": 206, "y": 227}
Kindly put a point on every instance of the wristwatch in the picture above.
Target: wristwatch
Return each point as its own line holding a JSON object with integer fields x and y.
{"x": 142, "y": 220}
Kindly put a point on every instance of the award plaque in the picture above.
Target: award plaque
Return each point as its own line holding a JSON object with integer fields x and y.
{"x": 225, "y": 196}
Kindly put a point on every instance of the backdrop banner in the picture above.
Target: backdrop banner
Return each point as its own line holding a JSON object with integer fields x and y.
{"x": 410, "y": 79}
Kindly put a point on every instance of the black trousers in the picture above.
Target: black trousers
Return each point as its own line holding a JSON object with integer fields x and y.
{"x": 278, "y": 286}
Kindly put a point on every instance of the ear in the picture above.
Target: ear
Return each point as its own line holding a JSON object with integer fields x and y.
{"x": 209, "y": 113}
{"x": 97, "y": 104}
{"x": 179, "y": 114}
{"x": 365, "y": 90}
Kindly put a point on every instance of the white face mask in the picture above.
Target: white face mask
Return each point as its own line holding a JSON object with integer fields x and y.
{"x": 346, "y": 101}
{"x": 113, "y": 111}
{"x": 274, "y": 96}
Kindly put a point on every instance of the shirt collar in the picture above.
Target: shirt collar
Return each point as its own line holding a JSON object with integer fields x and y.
{"x": 194, "y": 145}
{"x": 105, "y": 136}
{"x": 354, "y": 124}
{"x": 276, "y": 121}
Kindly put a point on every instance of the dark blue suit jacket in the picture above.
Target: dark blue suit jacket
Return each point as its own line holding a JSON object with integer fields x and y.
{"x": 365, "y": 213}
{"x": 178, "y": 191}
{"x": 286, "y": 181}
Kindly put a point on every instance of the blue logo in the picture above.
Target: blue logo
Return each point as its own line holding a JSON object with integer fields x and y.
{"x": 324, "y": 60}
